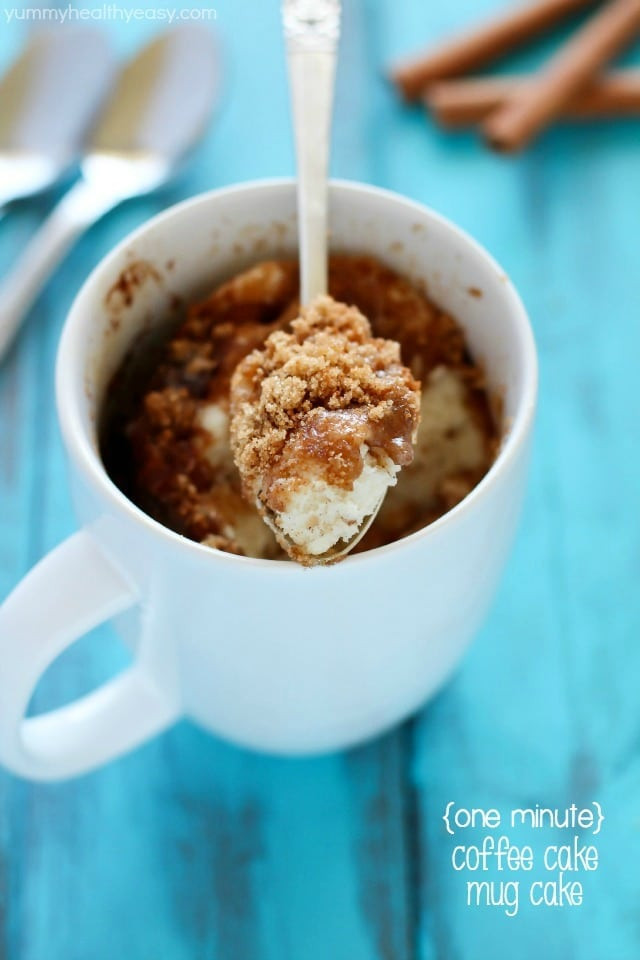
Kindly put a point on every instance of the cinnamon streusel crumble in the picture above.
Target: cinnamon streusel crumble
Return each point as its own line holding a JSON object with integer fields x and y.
{"x": 322, "y": 419}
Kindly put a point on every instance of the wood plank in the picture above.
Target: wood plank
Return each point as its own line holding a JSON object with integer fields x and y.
{"x": 544, "y": 708}
{"x": 196, "y": 848}
{"x": 386, "y": 839}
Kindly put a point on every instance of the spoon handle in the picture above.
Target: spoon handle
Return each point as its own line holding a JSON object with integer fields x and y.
{"x": 311, "y": 29}
{"x": 79, "y": 208}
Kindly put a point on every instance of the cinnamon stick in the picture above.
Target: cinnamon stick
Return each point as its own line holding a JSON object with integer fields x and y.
{"x": 483, "y": 45}
{"x": 462, "y": 103}
{"x": 528, "y": 111}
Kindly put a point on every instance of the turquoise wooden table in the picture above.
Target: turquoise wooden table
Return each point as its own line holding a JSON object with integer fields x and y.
{"x": 190, "y": 848}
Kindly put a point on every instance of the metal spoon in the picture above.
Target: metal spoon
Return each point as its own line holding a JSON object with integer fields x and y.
{"x": 311, "y": 29}
{"x": 48, "y": 98}
{"x": 159, "y": 109}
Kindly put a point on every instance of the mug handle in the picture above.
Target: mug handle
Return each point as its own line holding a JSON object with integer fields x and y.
{"x": 72, "y": 590}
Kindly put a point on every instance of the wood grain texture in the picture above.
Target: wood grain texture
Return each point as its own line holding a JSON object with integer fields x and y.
{"x": 192, "y": 849}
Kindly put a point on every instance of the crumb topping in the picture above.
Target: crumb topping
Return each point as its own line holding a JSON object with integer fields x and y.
{"x": 306, "y": 402}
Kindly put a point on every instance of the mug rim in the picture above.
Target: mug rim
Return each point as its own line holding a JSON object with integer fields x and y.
{"x": 84, "y": 455}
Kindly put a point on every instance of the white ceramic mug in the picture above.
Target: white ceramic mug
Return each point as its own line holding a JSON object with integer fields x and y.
{"x": 264, "y": 653}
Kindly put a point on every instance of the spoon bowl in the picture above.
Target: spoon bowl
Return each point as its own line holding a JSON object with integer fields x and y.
{"x": 39, "y": 140}
{"x": 335, "y": 553}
